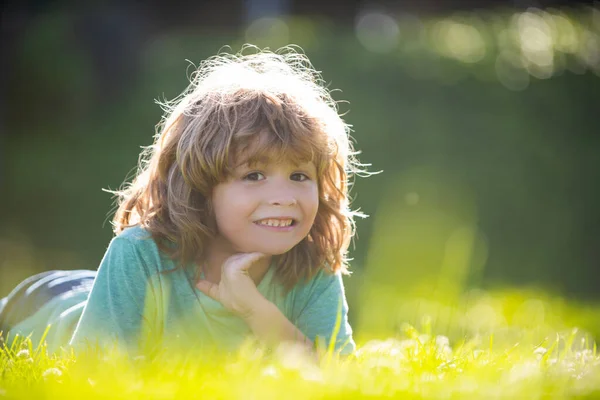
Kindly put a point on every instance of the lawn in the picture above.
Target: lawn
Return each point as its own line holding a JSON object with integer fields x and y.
{"x": 508, "y": 361}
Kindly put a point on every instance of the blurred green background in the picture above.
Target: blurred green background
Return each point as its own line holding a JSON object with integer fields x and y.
{"x": 485, "y": 124}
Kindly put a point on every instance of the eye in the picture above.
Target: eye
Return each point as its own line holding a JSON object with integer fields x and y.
{"x": 299, "y": 177}
{"x": 253, "y": 176}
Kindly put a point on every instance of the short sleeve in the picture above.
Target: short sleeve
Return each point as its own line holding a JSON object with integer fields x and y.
{"x": 114, "y": 313}
{"x": 321, "y": 311}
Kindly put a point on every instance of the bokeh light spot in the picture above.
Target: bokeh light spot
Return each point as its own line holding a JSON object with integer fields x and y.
{"x": 537, "y": 44}
{"x": 589, "y": 50}
{"x": 268, "y": 32}
{"x": 565, "y": 35}
{"x": 460, "y": 41}
{"x": 412, "y": 198}
{"x": 377, "y": 32}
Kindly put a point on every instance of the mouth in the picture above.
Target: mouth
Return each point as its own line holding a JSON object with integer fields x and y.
{"x": 285, "y": 222}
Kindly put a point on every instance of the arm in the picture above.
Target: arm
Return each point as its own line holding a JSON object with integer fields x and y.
{"x": 321, "y": 311}
{"x": 272, "y": 327}
{"x": 238, "y": 293}
{"x": 319, "y": 306}
{"x": 117, "y": 307}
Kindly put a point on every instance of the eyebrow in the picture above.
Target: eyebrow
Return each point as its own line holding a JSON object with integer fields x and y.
{"x": 264, "y": 160}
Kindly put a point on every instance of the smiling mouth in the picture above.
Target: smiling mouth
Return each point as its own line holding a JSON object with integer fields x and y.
{"x": 276, "y": 222}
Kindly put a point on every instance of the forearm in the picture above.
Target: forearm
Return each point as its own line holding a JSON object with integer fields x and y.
{"x": 272, "y": 327}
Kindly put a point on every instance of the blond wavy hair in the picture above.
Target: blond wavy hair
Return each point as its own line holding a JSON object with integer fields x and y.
{"x": 237, "y": 108}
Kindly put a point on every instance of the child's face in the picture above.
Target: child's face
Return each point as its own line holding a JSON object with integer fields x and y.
{"x": 254, "y": 208}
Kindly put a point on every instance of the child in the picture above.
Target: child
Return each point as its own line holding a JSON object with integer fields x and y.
{"x": 236, "y": 225}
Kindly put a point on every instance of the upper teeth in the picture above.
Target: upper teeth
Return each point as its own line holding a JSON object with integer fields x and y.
{"x": 276, "y": 222}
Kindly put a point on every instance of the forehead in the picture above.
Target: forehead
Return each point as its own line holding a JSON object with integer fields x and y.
{"x": 264, "y": 151}
{"x": 273, "y": 158}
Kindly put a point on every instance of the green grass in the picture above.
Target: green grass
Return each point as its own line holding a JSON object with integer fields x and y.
{"x": 414, "y": 363}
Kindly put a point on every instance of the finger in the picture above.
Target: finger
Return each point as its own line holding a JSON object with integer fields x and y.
{"x": 209, "y": 289}
{"x": 245, "y": 261}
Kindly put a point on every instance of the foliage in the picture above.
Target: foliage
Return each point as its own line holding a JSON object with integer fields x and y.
{"x": 492, "y": 129}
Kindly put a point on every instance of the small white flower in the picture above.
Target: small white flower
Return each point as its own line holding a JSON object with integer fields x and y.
{"x": 526, "y": 371}
{"x": 23, "y": 354}
{"x": 270, "y": 371}
{"x": 52, "y": 373}
{"x": 539, "y": 352}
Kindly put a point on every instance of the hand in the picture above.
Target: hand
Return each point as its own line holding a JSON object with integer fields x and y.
{"x": 236, "y": 290}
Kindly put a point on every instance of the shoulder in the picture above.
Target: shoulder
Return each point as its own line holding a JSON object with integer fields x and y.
{"x": 137, "y": 243}
{"x": 324, "y": 281}
{"x": 135, "y": 234}
{"x": 324, "y": 276}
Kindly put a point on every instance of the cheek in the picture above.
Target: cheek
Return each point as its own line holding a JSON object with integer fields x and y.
{"x": 313, "y": 204}
{"x": 230, "y": 223}
{"x": 222, "y": 207}
{"x": 225, "y": 199}
{"x": 231, "y": 208}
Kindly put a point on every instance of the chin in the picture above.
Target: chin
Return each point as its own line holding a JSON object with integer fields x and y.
{"x": 271, "y": 250}
{"x": 278, "y": 253}
{"x": 274, "y": 252}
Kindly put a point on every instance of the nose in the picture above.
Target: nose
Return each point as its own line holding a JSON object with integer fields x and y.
{"x": 280, "y": 195}
{"x": 282, "y": 199}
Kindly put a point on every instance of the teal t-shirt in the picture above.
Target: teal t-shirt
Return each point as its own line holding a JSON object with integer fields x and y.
{"x": 130, "y": 299}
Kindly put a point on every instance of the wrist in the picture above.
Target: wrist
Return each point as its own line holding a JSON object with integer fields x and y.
{"x": 257, "y": 311}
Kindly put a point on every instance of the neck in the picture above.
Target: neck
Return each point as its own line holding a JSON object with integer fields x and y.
{"x": 216, "y": 256}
